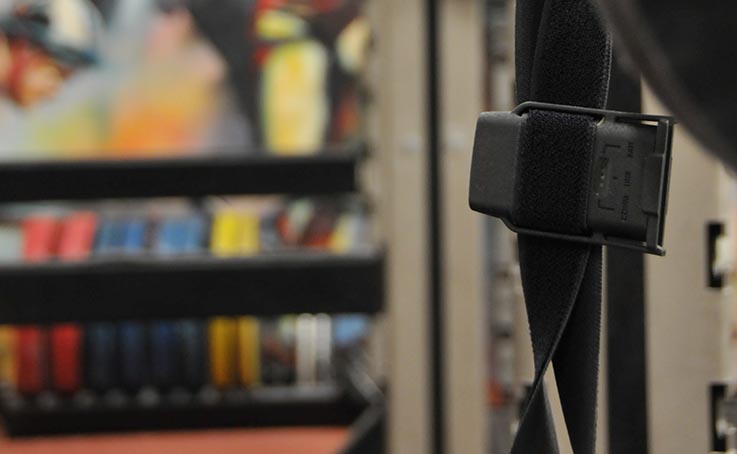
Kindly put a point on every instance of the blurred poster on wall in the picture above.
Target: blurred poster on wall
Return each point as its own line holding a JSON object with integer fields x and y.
{"x": 143, "y": 78}
{"x": 301, "y": 79}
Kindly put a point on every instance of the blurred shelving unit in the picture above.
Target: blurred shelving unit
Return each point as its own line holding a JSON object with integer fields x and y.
{"x": 190, "y": 287}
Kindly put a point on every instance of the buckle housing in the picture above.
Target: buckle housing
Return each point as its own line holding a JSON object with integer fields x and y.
{"x": 629, "y": 175}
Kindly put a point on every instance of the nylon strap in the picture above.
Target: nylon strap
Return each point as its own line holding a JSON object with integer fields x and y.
{"x": 563, "y": 56}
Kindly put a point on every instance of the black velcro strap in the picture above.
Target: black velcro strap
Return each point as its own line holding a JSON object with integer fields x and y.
{"x": 553, "y": 172}
{"x": 563, "y": 57}
{"x": 562, "y": 287}
{"x": 563, "y": 53}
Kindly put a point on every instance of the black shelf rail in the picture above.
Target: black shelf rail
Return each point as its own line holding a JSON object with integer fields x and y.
{"x": 156, "y": 288}
{"x": 259, "y": 408}
{"x": 328, "y": 172}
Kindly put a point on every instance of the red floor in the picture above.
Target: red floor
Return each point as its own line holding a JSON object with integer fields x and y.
{"x": 271, "y": 441}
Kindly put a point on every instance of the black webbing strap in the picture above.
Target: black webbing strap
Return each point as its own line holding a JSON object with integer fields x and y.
{"x": 563, "y": 56}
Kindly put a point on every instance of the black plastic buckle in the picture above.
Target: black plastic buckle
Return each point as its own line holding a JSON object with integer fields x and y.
{"x": 629, "y": 174}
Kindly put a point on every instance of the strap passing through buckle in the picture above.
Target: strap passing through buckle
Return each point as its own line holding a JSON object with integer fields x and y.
{"x": 628, "y": 175}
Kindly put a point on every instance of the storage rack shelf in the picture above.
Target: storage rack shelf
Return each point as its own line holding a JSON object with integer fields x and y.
{"x": 327, "y": 172}
{"x": 152, "y": 288}
{"x": 326, "y": 406}
{"x": 144, "y": 289}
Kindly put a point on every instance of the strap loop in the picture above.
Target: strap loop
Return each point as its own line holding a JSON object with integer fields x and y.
{"x": 554, "y": 172}
{"x": 563, "y": 57}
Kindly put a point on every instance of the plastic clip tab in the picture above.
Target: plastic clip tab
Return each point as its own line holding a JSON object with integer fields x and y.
{"x": 630, "y": 169}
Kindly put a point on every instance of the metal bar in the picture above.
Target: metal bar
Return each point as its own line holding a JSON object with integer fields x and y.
{"x": 435, "y": 246}
{"x": 625, "y": 275}
{"x": 333, "y": 171}
{"x": 155, "y": 288}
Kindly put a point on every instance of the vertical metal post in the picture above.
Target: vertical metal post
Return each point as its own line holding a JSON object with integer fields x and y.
{"x": 625, "y": 314}
{"x": 436, "y": 333}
